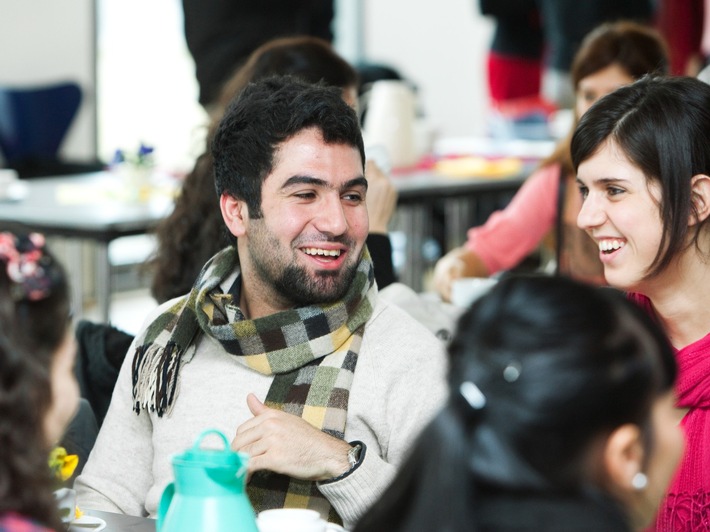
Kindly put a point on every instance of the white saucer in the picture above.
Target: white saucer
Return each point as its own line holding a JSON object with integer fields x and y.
{"x": 86, "y": 523}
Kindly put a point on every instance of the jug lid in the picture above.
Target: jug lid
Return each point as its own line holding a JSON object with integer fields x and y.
{"x": 200, "y": 457}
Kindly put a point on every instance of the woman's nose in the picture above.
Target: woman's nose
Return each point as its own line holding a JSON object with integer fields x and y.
{"x": 591, "y": 214}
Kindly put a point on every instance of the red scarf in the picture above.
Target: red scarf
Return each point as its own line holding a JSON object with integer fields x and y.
{"x": 687, "y": 503}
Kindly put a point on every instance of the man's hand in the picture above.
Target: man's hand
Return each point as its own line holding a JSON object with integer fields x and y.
{"x": 287, "y": 444}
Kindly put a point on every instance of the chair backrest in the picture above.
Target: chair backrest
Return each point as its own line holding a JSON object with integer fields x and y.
{"x": 34, "y": 120}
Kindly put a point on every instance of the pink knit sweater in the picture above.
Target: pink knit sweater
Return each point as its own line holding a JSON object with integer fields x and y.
{"x": 687, "y": 503}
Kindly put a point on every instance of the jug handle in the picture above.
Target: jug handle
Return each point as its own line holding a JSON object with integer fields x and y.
{"x": 206, "y": 433}
{"x": 221, "y": 435}
{"x": 164, "y": 504}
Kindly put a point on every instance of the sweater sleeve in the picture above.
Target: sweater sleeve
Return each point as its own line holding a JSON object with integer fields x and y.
{"x": 380, "y": 248}
{"x": 119, "y": 470}
{"x": 399, "y": 385}
{"x": 509, "y": 235}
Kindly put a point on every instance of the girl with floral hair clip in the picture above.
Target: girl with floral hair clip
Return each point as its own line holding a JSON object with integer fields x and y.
{"x": 38, "y": 390}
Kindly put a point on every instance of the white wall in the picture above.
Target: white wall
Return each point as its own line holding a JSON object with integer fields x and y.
{"x": 147, "y": 84}
{"x": 441, "y": 46}
{"x": 50, "y": 40}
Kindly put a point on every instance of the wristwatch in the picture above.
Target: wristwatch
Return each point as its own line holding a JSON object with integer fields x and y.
{"x": 354, "y": 454}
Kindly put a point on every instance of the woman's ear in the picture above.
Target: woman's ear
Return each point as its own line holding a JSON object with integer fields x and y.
{"x": 624, "y": 457}
{"x": 700, "y": 196}
{"x": 235, "y": 214}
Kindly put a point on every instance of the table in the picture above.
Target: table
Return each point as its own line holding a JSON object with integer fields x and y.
{"x": 96, "y": 207}
{"x": 419, "y": 192}
{"x": 123, "y": 523}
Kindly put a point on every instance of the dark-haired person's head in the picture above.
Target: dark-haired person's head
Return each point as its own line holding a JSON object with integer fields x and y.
{"x": 267, "y": 113}
{"x": 559, "y": 391}
{"x": 289, "y": 169}
{"x": 194, "y": 231}
{"x": 38, "y": 390}
{"x": 651, "y": 138}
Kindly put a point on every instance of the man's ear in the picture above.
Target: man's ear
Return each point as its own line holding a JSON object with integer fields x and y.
{"x": 235, "y": 214}
{"x": 623, "y": 457}
{"x": 700, "y": 196}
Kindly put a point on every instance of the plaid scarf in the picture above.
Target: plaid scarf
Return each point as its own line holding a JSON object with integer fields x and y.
{"x": 311, "y": 352}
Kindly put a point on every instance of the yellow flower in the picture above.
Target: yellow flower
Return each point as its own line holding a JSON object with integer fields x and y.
{"x": 62, "y": 464}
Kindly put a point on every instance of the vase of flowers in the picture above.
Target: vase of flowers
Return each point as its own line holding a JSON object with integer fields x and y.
{"x": 135, "y": 169}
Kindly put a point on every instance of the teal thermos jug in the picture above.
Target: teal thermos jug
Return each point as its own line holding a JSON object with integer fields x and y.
{"x": 209, "y": 492}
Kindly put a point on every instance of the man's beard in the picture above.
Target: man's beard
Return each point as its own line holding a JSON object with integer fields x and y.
{"x": 300, "y": 288}
{"x": 294, "y": 282}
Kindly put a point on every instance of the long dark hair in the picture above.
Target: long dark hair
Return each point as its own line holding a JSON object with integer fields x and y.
{"x": 557, "y": 363}
{"x": 34, "y": 319}
{"x": 195, "y": 231}
{"x": 663, "y": 126}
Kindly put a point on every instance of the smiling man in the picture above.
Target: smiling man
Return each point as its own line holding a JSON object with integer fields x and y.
{"x": 283, "y": 343}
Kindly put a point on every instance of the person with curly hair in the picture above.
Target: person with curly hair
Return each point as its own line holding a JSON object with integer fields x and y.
{"x": 195, "y": 231}
{"x": 283, "y": 342}
{"x": 38, "y": 392}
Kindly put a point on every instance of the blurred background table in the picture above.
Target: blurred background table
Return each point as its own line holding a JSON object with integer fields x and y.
{"x": 444, "y": 200}
{"x": 99, "y": 208}
{"x": 462, "y": 199}
{"x": 95, "y": 207}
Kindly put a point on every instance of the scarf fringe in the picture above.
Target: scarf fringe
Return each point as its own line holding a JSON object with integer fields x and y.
{"x": 155, "y": 377}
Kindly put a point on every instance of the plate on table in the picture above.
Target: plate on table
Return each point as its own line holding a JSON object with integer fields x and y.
{"x": 87, "y": 523}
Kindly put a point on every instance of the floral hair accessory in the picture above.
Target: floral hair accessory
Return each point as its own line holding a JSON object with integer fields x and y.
{"x": 24, "y": 260}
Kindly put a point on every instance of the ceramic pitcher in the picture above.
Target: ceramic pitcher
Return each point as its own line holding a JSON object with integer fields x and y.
{"x": 389, "y": 120}
{"x": 209, "y": 492}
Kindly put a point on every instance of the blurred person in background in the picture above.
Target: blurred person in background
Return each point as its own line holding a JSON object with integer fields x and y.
{"x": 221, "y": 35}
{"x": 566, "y": 25}
{"x": 515, "y": 58}
{"x": 611, "y": 56}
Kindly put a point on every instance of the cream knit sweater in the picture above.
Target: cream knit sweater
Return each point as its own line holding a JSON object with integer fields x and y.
{"x": 399, "y": 385}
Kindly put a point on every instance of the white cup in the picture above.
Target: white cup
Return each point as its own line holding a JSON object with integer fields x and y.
{"x": 466, "y": 290}
{"x": 290, "y": 520}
